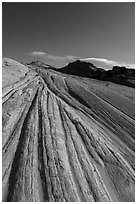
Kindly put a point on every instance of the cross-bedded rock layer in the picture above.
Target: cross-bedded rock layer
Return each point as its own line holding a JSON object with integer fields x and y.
{"x": 67, "y": 138}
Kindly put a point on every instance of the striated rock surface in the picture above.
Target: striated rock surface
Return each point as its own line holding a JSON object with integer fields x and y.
{"x": 12, "y": 71}
{"x": 118, "y": 75}
{"x": 67, "y": 138}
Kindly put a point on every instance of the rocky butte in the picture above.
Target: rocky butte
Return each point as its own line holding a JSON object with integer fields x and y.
{"x": 68, "y": 135}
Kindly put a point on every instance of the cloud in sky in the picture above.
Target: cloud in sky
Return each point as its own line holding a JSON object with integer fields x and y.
{"x": 105, "y": 63}
{"x": 54, "y": 57}
{"x": 108, "y": 62}
{"x": 37, "y": 53}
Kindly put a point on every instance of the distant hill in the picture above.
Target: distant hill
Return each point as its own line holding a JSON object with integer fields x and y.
{"x": 119, "y": 75}
{"x": 81, "y": 68}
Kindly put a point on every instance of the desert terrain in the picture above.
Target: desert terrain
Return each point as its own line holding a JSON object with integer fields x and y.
{"x": 66, "y": 138}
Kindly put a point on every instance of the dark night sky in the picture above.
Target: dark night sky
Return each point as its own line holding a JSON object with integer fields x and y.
{"x": 61, "y": 30}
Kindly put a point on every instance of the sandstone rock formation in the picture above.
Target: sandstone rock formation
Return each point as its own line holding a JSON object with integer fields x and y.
{"x": 66, "y": 138}
{"x": 118, "y": 75}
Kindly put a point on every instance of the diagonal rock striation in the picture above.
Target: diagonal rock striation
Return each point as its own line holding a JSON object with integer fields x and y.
{"x": 66, "y": 139}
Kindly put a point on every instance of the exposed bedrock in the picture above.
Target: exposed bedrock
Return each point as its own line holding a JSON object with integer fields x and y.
{"x": 67, "y": 139}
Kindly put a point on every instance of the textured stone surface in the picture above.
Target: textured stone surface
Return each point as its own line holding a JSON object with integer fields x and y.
{"x": 67, "y": 138}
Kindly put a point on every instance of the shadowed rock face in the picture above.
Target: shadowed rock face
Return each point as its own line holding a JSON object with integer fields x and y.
{"x": 118, "y": 75}
{"x": 67, "y": 138}
{"x": 80, "y": 68}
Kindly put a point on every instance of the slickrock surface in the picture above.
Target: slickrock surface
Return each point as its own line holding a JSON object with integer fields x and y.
{"x": 66, "y": 138}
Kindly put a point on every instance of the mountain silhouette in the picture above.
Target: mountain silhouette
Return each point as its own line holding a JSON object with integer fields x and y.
{"x": 120, "y": 75}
